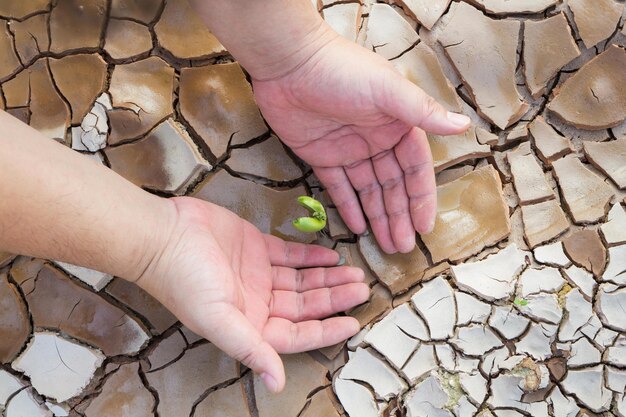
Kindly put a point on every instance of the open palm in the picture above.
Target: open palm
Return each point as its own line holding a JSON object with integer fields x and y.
{"x": 240, "y": 289}
{"x": 351, "y": 116}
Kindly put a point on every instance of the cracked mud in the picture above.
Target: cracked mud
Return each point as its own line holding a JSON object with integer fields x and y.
{"x": 514, "y": 306}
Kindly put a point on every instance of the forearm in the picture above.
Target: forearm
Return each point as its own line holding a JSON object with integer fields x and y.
{"x": 60, "y": 205}
{"x": 268, "y": 37}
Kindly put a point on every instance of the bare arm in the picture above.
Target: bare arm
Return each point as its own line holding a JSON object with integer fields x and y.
{"x": 269, "y": 37}
{"x": 58, "y": 204}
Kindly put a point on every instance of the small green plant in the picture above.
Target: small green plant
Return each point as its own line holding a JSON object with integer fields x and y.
{"x": 520, "y": 302}
{"x": 317, "y": 220}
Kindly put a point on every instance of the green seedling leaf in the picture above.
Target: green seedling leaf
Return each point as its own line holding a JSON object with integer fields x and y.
{"x": 317, "y": 220}
{"x": 308, "y": 224}
{"x": 520, "y": 302}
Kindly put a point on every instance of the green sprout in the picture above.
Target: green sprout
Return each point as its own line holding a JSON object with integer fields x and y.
{"x": 317, "y": 220}
{"x": 520, "y": 302}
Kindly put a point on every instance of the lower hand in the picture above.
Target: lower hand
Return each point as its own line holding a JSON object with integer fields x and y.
{"x": 351, "y": 116}
{"x": 243, "y": 291}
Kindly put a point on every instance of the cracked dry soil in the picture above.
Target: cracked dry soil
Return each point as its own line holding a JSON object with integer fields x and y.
{"x": 531, "y": 207}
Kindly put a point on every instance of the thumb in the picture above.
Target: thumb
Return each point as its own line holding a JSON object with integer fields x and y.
{"x": 236, "y": 336}
{"x": 407, "y": 102}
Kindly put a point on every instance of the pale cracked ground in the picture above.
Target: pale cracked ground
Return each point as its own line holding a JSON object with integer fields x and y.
{"x": 514, "y": 306}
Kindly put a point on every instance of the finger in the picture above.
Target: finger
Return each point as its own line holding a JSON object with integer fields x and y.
{"x": 300, "y": 280}
{"x": 341, "y": 192}
{"x": 299, "y": 255}
{"x": 415, "y": 159}
{"x": 288, "y": 337}
{"x": 318, "y": 303}
{"x": 364, "y": 180}
{"x": 391, "y": 178}
{"x": 404, "y": 100}
{"x": 240, "y": 340}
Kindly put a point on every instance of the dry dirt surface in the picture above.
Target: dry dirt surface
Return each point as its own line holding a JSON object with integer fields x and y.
{"x": 514, "y": 306}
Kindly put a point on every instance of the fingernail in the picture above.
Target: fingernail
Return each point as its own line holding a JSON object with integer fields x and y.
{"x": 342, "y": 260}
{"x": 431, "y": 226}
{"x": 458, "y": 120}
{"x": 269, "y": 382}
{"x": 428, "y": 227}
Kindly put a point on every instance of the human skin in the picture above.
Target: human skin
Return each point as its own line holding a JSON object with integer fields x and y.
{"x": 245, "y": 291}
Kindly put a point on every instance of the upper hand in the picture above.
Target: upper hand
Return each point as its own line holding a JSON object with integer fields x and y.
{"x": 360, "y": 125}
{"x": 244, "y": 291}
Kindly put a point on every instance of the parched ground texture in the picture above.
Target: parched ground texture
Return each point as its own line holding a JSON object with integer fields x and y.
{"x": 514, "y": 306}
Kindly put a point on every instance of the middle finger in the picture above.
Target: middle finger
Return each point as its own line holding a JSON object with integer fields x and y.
{"x": 391, "y": 177}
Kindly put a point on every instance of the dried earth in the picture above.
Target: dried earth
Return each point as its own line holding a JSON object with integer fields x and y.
{"x": 514, "y": 306}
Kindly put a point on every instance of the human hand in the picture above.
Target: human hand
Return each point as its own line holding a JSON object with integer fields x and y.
{"x": 240, "y": 289}
{"x": 360, "y": 125}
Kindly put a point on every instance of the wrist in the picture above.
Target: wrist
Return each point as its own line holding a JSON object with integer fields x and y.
{"x": 155, "y": 233}
{"x": 269, "y": 38}
{"x": 292, "y": 55}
